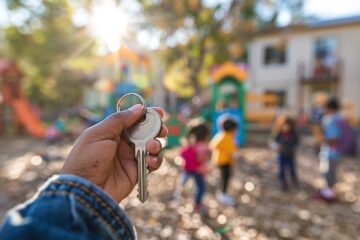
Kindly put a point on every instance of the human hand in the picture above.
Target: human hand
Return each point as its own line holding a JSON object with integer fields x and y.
{"x": 103, "y": 156}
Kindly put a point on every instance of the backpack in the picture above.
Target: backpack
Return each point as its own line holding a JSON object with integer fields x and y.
{"x": 347, "y": 141}
{"x": 190, "y": 161}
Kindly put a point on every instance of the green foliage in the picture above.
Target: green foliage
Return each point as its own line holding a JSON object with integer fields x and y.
{"x": 273, "y": 9}
{"x": 50, "y": 51}
{"x": 177, "y": 79}
{"x": 213, "y": 35}
{"x": 207, "y": 40}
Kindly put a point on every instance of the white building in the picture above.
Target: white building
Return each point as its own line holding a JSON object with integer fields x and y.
{"x": 298, "y": 61}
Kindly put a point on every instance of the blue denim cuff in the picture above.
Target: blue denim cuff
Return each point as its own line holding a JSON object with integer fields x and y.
{"x": 93, "y": 198}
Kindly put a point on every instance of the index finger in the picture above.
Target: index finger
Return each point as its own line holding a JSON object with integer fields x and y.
{"x": 114, "y": 124}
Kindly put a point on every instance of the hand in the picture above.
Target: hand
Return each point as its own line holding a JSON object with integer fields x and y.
{"x": 107, "y": 159}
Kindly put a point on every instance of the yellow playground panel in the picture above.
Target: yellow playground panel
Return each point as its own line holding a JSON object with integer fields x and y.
{"x": 261, "y": 108}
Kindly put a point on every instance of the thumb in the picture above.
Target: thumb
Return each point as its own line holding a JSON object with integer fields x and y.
{"x": 117, "y": 122}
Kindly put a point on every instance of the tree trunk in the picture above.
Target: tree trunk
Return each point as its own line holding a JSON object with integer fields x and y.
{"x": 196, "y": 65}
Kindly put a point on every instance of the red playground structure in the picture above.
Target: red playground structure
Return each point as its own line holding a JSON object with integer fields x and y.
{"x": 15, "y": 110}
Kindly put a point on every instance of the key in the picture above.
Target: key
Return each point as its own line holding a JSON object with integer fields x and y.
{"x": 139, "y": 134}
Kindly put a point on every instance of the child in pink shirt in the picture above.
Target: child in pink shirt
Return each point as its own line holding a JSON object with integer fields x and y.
{"x": 195, "y": 156}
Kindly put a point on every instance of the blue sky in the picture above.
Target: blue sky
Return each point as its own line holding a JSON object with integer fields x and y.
{"x": 322, "y": 8}
{"x": 332, "y": 8}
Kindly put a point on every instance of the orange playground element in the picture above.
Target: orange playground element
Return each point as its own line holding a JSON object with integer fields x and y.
{"x": 13, "y": 98}
{"x": 28, "y": 118}
{"x": 229, "y": 69}
{"x": 261, "y": 108}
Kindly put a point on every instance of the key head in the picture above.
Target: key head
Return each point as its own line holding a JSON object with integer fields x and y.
{"x": 141, "y": 132}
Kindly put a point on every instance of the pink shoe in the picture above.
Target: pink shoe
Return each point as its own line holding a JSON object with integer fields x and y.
{"x": 321, "y": 197}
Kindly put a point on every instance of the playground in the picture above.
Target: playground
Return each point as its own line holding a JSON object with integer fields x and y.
{"x": 259, "y": 101}
{"x": 262, "y": 212}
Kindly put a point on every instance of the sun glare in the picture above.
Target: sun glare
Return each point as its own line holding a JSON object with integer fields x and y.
{"x": 109, "y": 24}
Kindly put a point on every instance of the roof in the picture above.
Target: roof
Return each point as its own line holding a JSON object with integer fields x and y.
{"x": 314, "y": 25}
{"x": 334, "y": 22}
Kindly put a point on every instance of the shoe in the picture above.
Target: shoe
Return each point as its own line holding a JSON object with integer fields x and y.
{"x": 295, "y": 183}
{"x": 284, "y": 186}
{"x": 327, "y": 193}
{"x": 201, "y": 209}
{"x": 319, "y": 196}
{"x": 225, "y": 199}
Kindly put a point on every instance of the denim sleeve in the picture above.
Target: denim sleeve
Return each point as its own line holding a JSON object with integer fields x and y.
{"x": 68, "y": 207}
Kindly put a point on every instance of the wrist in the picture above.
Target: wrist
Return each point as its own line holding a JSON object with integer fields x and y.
{"x": 89, "y": 196}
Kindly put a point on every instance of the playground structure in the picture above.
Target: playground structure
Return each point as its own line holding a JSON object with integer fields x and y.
{"x": 15, "y": 110}
{"x": 228, "y": 97}
{"x": 122, "y": 72}
{"x": 261, "y": 108}
{"x": 176, "y": 129}
{"x": 229, "y": 92}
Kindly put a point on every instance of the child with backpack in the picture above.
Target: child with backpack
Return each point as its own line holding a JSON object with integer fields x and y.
{"x": 287, "y": 141}
{"x": 339, "y": 139}
{"x": 195, "y": 156}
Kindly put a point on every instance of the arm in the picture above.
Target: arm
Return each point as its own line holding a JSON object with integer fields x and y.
{"x": 82, "y": 203}
{"x": 68, "y": 207}
{"x": 216, "y": 142}
{"x": 234, "y": 151}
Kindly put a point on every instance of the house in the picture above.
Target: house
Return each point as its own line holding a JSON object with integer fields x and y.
{"x": 298, "y": 61}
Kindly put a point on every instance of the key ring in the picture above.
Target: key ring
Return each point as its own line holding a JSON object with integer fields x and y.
{"x": 118, "y": 105}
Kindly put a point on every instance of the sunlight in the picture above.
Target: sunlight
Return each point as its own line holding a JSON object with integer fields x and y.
{"x": 109, "y": 24}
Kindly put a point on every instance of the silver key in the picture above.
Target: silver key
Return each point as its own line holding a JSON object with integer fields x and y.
{"x": 139, "y": 134}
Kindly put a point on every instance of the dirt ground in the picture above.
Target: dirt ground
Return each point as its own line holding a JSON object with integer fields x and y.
{"x": 262, "y": 210}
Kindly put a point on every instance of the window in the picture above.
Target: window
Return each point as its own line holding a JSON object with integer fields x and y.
{"x": 326, "y": 60}
{"x": 325, "y": 51}
{"x": 275, "y": 54}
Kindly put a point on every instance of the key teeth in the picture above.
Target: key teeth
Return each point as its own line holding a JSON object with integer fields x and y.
{"x": 142, "y": 200}
{"x": 145, "y": 198}
{"x": 146, "y": 194}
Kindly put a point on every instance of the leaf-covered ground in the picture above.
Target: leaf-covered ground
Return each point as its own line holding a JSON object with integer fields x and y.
{"x": 262, "y": 210}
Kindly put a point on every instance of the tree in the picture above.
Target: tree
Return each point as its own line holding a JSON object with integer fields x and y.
{"x": 50, "y": 51}
{"x": 198, "y": 36}
{"x": 270, "y": 11}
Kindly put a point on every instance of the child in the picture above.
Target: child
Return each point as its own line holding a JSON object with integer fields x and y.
{"x": 330, "y": 152}
{"x": 224, "y": 148}
{"x": 195, "y": 155}
{"x": 287, "y": 141}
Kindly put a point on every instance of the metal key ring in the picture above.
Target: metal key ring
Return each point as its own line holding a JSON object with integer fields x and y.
{"x": 118, "y": 105}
